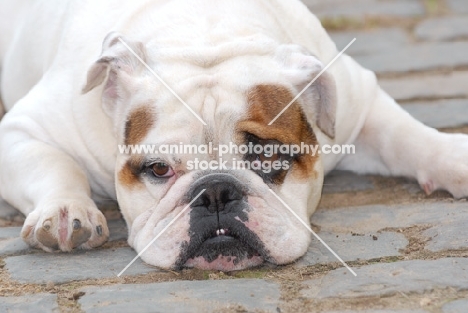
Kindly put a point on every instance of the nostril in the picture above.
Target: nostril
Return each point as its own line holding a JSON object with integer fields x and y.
{"x": 210, "y": 200}
{"x": 224, "y": 196}
{"x": 206, "y": 200}
{"x": 230, "y": 194}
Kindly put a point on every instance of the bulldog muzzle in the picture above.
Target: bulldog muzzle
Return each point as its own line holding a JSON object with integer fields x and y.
{"x": 217, "y": 223}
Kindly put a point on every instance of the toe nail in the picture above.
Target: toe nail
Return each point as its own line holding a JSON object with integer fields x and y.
{"x": 99, "y": 230}
{"x": 76, "y": 224}
{"x": 46, "y": 225}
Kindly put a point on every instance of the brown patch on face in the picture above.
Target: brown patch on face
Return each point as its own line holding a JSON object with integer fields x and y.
{"x": 139, "y": 123}
{"x": 265, "y": 102}
{"x": 129, "y": 174}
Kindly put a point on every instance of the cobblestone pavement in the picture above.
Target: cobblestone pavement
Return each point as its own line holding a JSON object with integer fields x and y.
{"x": 410, "y": 250}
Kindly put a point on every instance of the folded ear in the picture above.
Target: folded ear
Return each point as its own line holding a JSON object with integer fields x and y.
{"x": 300, "y": 68}
{"x": 115, "y": 67}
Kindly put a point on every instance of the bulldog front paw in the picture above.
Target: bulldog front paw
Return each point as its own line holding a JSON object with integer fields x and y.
{"x": 448, "y": 168}
{"x": 454, "y": 181}
{"x": 64, "y": 226}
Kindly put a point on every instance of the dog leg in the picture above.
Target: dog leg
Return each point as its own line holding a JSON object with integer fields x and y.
{"x": 47, "y": 185}
{"x": 392, "y": 142}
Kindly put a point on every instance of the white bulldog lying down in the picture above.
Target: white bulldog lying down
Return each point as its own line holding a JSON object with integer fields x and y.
{"x": 75, "y": 88}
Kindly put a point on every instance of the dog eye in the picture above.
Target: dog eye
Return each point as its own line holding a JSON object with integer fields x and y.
{"x": 272, "y": 158}
{"x": 162, "y": 170}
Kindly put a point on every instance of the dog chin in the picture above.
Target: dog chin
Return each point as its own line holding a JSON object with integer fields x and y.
{"x": 224, "y": 253}
{"x": 223, "y": 263}
{"x": 230, "y": 249}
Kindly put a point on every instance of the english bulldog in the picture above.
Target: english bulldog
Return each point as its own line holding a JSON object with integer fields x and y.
{"x": 82, "y": 78}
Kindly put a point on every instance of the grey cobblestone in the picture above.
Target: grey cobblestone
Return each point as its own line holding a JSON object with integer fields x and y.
{"x": 41, "y": 268}
{"x": 459, "y": 306}
{"x": 387, "y": 279}
{"x": 344, "y": 181}
{"x": 443, "y": 28}
{"x": 9, "y": 232}
{"x": 353, "y": 247}
{"x": 247, "y": 295}
{"x": 451, "y": 85}
{"x": 451, "y": 235}
{"x": 13, "y": 246}
{"x": 359, "y": 9}
{"x": 425, "y": 56}
{"x": 373, "y": 218}
{"x": 440, "y": 114}
{"x": 458, "y": 6}
{"x": 381, "y": 311}
{"x": 369, "y": 41}
{"x": 41, "y": 302}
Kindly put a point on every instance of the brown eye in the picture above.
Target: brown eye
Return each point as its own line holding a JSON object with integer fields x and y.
{"x": 272, "y": 158}
{"x": 161, "y": 169}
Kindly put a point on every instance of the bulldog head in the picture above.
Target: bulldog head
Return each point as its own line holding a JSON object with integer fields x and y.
{"x": 223, "y": 217}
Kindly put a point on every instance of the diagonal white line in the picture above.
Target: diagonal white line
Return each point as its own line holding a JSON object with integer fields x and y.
{"x": 313, "y": 81}
{"x": 162, "y": 81}
{"x": 161, "y": 232}
{"x": 313, "y": 233}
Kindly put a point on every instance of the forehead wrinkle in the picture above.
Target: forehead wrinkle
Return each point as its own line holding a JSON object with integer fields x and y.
{"x": 208, "y": 134}
{"x": 216, "y": 115}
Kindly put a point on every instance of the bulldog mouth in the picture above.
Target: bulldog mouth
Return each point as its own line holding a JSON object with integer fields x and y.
{"x": 224, "y": 243}
{"x": 220, "y": 236}
{"x": 219, "y": 239}
{"x": 224, "y": 249}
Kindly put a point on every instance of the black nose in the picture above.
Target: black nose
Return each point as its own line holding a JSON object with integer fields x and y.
{"x": 222, "y": 192}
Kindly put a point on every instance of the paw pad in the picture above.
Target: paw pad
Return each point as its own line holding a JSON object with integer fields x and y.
{"x": 76, "y": 224}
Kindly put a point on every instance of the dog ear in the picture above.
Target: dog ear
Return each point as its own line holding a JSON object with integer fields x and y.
{"x": 116, "y": 66}
{"x": 300, "y": 68}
